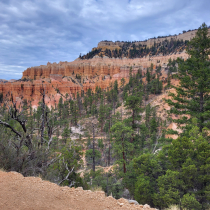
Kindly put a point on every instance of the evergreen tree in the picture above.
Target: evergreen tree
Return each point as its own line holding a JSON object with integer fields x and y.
{"x": 74, "y": 112}
{"x": 186, "y": 181}
{"x": 192, "y": 95}
{"x": 122, "y": 83}
{"x": 116, "y": 86}
{"x": 60, "y": 105}
{"x": 66, "y": 134}
{"x": 102, "y": 114}
{"x": 122, "y": 145}
{"x": 133, "y": 103}
{"x": 148, "y": 76}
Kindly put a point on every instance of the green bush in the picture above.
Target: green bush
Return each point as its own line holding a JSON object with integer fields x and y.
{"x": 189, "y": 202}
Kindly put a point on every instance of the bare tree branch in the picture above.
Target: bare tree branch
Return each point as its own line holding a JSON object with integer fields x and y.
{"x": 9, "y": 126}
{"x": 53, "y": 160}
{"x": 69, "y": 172}
{"x": 153, "y": 152}
{"x": 14, "y": 115}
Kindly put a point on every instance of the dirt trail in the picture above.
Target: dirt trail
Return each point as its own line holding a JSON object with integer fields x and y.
{"x": 32, "y": 193}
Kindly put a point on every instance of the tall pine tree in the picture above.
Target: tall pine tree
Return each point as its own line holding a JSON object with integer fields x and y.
{"x": 192, "y": 97}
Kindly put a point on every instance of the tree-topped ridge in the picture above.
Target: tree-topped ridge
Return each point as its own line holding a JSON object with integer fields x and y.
{"x": 162, "y": 45}
{"x": 150, "y": 42}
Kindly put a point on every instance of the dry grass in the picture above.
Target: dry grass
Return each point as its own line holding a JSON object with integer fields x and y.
{"x": 97, "y": 188}
{"x": 173, "y": 207}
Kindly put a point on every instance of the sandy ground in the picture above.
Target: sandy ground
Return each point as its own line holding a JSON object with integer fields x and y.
{"x": 32, "y": 193}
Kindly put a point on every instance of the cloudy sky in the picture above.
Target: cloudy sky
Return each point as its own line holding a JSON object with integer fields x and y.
{"x": 33, "y": 32}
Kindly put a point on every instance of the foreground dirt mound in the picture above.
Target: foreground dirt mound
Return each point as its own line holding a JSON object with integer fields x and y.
{"x": 21, "y": 193}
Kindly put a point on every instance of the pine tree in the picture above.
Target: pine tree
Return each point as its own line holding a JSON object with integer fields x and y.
{"x": 148, "y": 76}
{"x": 102, "y": 114}
{"x": 116, "y": 86}
{"x": 134, "y": 103}
{"x": 122, "y": 145}
{"x": 122, "y": 83}
{"x": 74, "y": 111}
{"x": 192, "y": 96}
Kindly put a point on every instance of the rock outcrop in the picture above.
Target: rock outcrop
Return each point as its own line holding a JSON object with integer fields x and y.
{"x": 98, "y": 66}
{"x": 63, "y": 76}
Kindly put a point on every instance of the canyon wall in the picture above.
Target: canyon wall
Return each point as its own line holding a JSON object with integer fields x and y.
{"x": 97, "y": 66}
{"x": 31, "y": 90}
{"x": 94, "y": 72}
{"x": 89, "y": 68}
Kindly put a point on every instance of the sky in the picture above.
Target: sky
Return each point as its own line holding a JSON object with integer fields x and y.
{"x": 34, "y": 32}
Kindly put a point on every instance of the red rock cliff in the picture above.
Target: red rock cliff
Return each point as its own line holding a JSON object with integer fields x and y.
{"x": 96, "y": 66}
{"x": 94, "y": 72}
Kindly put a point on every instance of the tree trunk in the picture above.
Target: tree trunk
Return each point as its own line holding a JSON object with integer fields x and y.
{"x": 43, "y": 117}
{"x": 123, "y": 153}
{"x": 93, "y": 149}
{"x": 201, "y": 111}
{"x": 133, "y": 122}
{"x": 114, "y": 107}
{"x": 109, "y": 155}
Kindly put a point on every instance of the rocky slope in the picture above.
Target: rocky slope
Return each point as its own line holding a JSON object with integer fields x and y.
{"x": 32, "y": 193}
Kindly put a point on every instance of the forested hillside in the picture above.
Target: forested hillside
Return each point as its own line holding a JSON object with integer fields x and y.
{"x": 161, "y": 45}
{"x": 116, "y": 139}
{"x": 131, "y": 50}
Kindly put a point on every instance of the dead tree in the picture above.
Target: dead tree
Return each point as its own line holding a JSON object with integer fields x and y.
{"x": 27, "y": 161}
{"x": 43, "y": 115}
{"x": 67, "y": 176}
{"x": 45, "y": 121}
{"x": 50, "y": 127}
{"x": 17, "y": 115}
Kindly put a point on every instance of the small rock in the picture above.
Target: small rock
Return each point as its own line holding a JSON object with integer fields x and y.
{"x": 146, "y": 206}
{"x": 133, "y": 202}
{"x": 121, "y": 204}
{"x": 123, "y": 200}
{"x": 79, "y": 188}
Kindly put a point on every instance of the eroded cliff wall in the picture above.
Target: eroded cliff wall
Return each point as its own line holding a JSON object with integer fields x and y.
{"x": 97, "y": 66}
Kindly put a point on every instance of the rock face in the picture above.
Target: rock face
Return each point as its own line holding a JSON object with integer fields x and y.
{"x": 87, "y": 68}
{"x": 31, "y": 90}
{"x": 98, "y": 66}
{"x": 94, "y": 72}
